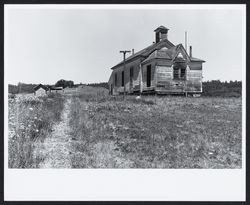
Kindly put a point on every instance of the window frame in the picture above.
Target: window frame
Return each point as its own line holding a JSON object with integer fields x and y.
{"x": 123, "y": 78}
{"x": 148, "y": 74}
{"x": 131, "y": 72}
{"x": 181, "y": 75}
{"x": 176, "y": 73}
{"x": 116, "y": 79}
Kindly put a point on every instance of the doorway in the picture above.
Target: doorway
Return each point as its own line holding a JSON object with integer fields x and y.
{"x": 148, "y": 75}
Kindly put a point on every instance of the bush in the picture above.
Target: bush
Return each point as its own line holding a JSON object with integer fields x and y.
{"x": 216, "y": 88}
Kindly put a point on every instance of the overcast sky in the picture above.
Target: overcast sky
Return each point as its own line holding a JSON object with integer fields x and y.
{"x": 45, "y": 45}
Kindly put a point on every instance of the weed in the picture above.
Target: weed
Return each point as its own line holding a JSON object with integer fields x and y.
{"x": 30, "y": 122}
{"x": 165, "y": 132}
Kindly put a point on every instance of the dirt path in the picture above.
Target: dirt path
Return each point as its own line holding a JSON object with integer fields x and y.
{"x": 56, "y": 148}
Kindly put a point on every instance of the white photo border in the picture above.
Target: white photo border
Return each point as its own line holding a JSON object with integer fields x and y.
{"x": 125, "y": 184}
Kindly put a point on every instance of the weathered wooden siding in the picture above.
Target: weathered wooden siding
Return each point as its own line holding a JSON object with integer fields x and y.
{"x": 129, "y": 86}
{"x": 163, "y": 74}
{"x": 194, "y": 79}
{"x": 195, "y": 65}
{"x": 172, "y": 86}
{"x": 166, "y": 84}
{"x": 161, "y": 77}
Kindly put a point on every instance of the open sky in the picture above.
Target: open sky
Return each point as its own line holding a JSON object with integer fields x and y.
{"x": 45, "y": 44}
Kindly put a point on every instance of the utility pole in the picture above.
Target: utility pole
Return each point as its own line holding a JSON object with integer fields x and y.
{"x": 185, "y": 40}
{"x": 186, "y": 68}
{"x": 124, "y": 67}
{"x": 186, "y": 84}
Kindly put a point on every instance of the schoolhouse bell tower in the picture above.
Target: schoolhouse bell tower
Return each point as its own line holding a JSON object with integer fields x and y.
{"x": 161, "y": 33}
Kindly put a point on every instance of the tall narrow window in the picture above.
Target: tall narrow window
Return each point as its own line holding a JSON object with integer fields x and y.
{"x": 122, "y": 78}
{"x": 183, "y": 73}
{"x": 115, "y": 79}
{"x": 176, "y": 73}
{"x": 131, "y": 72}
{"x": 131, "y": 75}
{"x": 148, "y": 75}
{"x": 180, "y": 70}
{"x": 179, "y": 73}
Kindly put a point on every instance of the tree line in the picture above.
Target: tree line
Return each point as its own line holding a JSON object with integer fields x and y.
{"x": 29, "y": 88}
{"x": 103, "y": 84}
{"x": 214, "y": 88}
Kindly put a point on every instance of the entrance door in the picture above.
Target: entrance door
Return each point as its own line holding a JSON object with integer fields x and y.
{"x": 148, "y": 75}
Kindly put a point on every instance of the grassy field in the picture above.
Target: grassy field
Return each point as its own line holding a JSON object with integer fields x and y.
{"x": 162, "y": 132}
{"x": 151, "y": 132}
{"x": 31, "y": 120}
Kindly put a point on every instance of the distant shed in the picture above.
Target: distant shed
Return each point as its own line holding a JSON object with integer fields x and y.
{"x": 53, "y": 89}
{"x": 40, "y": 90}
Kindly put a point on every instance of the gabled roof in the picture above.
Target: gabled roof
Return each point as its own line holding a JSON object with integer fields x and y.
{"x": 146, "y": 51}
{"x": 171, "y": 54}
{"x": 41, "y": 86}
{"x": 179, "y": 47}
{"x": 55, "y": 88}
{"x": 158, "y": 54}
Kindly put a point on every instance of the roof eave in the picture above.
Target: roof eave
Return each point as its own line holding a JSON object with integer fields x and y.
{"x": 141, "y": 55}
{"x": 198, "y": 60}
{"x": 126, "y": 61}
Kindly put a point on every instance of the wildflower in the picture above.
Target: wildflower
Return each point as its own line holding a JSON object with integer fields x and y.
{"x": 35, "y": 118}
{"x": 29, "y": 125}
{"x": 31, "y": 108}
{"x": 37, "y": 130}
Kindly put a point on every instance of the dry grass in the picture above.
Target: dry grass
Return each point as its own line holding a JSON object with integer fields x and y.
{"x": 30, "y": 122}
{"x": 109, "y": 132}
{"x": 162, "y": 132}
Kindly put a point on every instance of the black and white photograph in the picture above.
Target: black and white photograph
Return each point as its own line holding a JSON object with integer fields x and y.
{"x": 125, "y": 88}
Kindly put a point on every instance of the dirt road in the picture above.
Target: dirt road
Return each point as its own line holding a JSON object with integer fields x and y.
{"x": 56, "y": 148}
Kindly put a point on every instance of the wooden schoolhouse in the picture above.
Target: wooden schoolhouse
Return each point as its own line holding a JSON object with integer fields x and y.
{"x": 162, "y": 68}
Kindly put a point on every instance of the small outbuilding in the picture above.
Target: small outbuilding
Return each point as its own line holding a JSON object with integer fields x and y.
{"x": 53, "y": 89}
{"x": 162, "y": 68}
{"x": 40, "y": 90}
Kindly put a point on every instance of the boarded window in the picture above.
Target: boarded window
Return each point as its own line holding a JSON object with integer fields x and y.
{"x": 183, "y": 73}
{"x": 148, "y": 75}
{"x": 122, "y": 78}
{"x": 176, "y": 73}
{"x": 116, "y": 79}
{"x": 131, "y": 73}
{"x": 179, "y": 71}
